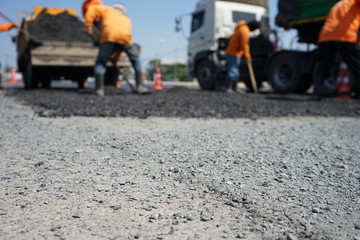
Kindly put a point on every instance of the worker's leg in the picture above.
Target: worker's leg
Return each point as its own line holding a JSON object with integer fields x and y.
{"x": 133, "y": 54}
{"x": 327, "y": 51}
{"x": 232, "y": 71}
{"x": 105, "y": 52}
{"x": 350, "y": 53}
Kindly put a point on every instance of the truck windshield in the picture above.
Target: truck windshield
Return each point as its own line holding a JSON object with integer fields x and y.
{"x": 197, "y": 21}
{"x": 246, "y": 16}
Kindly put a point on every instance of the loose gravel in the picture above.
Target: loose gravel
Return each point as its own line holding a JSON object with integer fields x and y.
{"x": 181, "y": 102}
{"x": 80, "y": 177}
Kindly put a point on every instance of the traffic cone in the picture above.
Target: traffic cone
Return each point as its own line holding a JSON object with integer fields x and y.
{"x": 158, "y": 82}
{"x": 13, "y": 76}
{"x": 343, "y": 82}
{"x": 118, "y": 84}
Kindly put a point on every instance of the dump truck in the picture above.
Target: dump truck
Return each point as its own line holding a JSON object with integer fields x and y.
{"x": 51, "y": 45}
{"x": 287, "y": 71}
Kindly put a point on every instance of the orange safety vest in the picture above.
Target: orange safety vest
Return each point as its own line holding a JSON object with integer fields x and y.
{"x": 342, "y": 23}
{"x": 6, "y": 27}
{"x": 116, "y": 26}
{"x": 239, "y": 42}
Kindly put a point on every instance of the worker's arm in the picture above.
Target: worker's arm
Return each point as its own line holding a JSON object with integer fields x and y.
{"x": 245, "y": 41}
{"x": 91, "y": 15}
{"x": 6, "y": 26}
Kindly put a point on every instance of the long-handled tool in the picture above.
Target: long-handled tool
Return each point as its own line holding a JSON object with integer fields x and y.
{"x": 125, "y": 78}
{"x": 252, "y": 75}
{"x": 114, "y": 59}
{"x": 32, "y": 40}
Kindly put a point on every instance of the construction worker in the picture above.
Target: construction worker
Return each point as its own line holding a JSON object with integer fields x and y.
{"x": 116, "y": 35}
{"x": 3, "y": 28}
{"x": 339, "y": 34}
{"x": 238, "y": 47}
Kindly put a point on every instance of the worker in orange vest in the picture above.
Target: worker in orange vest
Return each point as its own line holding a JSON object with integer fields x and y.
{"x": 116, "y": 35}
{"x": 238, "y": 47}
{"x": 340, "y": 33}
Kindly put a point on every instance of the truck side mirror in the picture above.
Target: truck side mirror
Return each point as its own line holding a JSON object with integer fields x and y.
{"x": 178, "y": 27}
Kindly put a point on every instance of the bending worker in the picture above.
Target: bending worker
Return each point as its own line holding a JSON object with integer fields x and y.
{"x": 238, "y": 47}
{"x": 116, "y": 35}
{"x": 340, "y": 34}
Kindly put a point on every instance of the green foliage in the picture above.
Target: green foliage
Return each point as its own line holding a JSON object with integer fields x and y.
{"x": 175, "y": 71}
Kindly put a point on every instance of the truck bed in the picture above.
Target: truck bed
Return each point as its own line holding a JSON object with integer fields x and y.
{"x": 59, "y": 53}
{"x": 307, "y": 17}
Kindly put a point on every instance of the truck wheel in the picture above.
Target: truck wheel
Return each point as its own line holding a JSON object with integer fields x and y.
{"x": 206, "y": 75}
{"x": 284, "y": 73}
{"x": 30, "y": 79}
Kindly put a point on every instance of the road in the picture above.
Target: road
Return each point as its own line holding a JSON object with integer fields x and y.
{"x": 179, "y": 164}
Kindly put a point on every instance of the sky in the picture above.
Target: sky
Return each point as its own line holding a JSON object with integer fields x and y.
{"x": 153, "y": 25}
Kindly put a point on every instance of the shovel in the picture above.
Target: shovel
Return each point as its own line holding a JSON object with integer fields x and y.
{"x": 252, "y": 76}
{"x": 114, "y": 61}
{"x": 32, "y": 40}
{"x": 126, "y": 79}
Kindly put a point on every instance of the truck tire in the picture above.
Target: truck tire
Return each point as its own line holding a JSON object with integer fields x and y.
{"x": 284, "y": 74}
{"x": 30, "y": 78}
{"x": 206, "y": 75}
{"x": 26, "y": 69}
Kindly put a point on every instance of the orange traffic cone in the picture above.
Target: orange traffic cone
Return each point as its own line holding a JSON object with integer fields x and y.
{"x": 343, "y": 82}
{"x": 118, "y": 84}
{"x": 13, "y": 76}
{"x": 158, "y": 82}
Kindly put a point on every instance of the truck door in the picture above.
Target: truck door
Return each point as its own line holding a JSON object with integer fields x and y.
{"x": 198, "y": 33}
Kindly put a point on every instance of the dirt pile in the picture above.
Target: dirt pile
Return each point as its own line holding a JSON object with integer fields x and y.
{"x": 61, "y": 27}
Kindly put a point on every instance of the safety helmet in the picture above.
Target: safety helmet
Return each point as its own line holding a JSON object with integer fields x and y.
{"x": 87, "y": 3}
{"x": 120, "y": 7}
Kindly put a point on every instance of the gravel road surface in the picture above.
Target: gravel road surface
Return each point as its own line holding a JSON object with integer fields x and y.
{"x": 282, "y": 172}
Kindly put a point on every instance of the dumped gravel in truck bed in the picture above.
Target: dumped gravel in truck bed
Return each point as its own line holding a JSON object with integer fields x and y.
{"x": 61, "y": 27}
